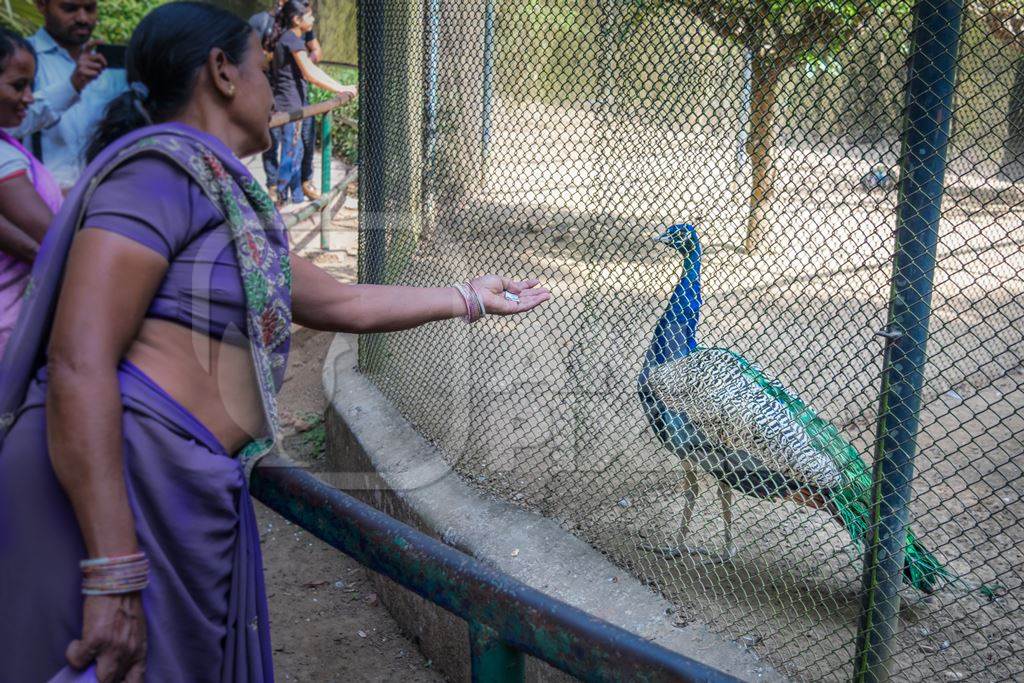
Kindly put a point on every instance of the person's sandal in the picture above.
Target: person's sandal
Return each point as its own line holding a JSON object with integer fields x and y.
{"x": 310, "y": 191}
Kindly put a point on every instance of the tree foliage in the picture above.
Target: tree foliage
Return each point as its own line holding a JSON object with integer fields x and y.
{"x": 776, "y": 34}
{"x": 118, "y": 18}
{"x": 343, "y": 137}
{"x": 21, "y": 16}
{"x": 784, "y": 31}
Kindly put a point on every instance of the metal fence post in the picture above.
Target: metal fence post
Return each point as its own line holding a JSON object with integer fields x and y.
{"x": 488, "y": 86}
{"x": 929, "y": 100}
{"x": 491, "y": 659}
{"x": 432, "y": 11}
{"x": 325, "y": 178}
{"x": 372, "y": 158}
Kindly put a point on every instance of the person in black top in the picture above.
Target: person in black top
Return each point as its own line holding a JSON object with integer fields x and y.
{"x": 291, "y": 69}
{"x": 308, "y": 135}
{"x": 263, "y": 24}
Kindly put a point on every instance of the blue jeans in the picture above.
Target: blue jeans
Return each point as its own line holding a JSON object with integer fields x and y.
{"x": 270, "y": 158}
{"x": 270, "y": 165}
{"x": 289, "y": 177}
{"x": 308, "y": 148}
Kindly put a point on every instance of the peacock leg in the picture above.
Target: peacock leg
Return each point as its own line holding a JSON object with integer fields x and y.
{"x": 725, "y": 498}
{"x": 707, "y": 555}
{"x": 691, "y": 487}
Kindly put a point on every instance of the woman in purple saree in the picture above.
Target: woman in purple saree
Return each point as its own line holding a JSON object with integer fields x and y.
{"x": 153, "y": 338}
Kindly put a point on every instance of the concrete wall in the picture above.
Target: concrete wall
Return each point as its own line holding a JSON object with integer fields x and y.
{"x": 374, "y": 454}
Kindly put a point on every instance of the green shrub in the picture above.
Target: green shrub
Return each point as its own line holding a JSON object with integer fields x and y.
{"x": 118, "y": 18}
{"x": 343, "y": 137}
{"x": 20, "y": 16}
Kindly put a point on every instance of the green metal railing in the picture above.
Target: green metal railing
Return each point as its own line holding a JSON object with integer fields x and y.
{"x": 325, "y": 205}
{"x": 507, "y": 619}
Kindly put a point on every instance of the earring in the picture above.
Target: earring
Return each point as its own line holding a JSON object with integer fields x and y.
{"x": 231, "y": 89}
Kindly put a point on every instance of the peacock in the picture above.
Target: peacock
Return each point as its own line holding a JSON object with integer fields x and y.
{"x": 719, "y": 413}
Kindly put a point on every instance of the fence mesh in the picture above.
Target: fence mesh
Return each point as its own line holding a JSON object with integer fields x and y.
{"x": 557, "y": 139}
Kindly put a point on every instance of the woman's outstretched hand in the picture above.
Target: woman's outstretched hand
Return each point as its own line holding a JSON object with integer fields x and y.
{"x": 113, "y": 636}
{"x": 492, "y": 289}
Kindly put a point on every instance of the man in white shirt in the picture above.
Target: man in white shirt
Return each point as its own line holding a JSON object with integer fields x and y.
{"x": 72, "y": 90}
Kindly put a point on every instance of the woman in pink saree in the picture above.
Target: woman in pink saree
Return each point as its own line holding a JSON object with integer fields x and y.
{"x": 29, "y": 196}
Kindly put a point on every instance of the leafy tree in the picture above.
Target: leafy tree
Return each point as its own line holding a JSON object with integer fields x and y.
{"x": 118, "y": 18}
{"x": 20, "y": 16}
{"x": 777, "y": 34}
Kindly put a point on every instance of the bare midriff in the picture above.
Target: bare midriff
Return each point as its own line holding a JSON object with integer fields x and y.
{"x": 213, "y": 380}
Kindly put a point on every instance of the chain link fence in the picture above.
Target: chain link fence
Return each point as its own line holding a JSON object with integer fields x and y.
{"x": 719, "y": 442}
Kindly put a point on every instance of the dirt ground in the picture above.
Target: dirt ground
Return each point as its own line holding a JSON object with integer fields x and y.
{"x": 327, "y": 624}
{"x": 549, "y": 416}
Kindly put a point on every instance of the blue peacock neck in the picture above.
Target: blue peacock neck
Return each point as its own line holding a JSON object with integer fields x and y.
{"x": 675, "y": 335}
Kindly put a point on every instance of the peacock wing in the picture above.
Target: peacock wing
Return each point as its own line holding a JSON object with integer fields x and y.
{"x": 725, "y": 397}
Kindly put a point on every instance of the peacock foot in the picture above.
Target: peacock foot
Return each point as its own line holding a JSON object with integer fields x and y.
{"x": 704, "y": 555}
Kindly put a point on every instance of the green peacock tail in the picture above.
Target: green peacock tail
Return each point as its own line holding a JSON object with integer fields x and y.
{"x": 852, "y": 500}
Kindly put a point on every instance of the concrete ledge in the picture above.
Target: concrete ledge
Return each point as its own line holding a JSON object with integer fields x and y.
{"x": 376, "y": 455}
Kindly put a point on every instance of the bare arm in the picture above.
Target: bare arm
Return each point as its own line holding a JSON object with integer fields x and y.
{"x": 316, "y": 53}
{"x": 97, "y": 318}
{"x": 322, "y": 303}
{"x": 22, "y": 206}
{"x": 16, "y": 243}
{"x": 315, "y": 75}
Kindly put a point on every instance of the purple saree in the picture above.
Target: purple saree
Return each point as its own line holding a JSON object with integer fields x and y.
{"x": 205, "y": 605}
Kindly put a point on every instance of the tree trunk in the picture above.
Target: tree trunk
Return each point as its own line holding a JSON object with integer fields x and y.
{"x": 744, "y": 136}
{"x": 760, "y": 145}
{"x": 1012, "y": 166}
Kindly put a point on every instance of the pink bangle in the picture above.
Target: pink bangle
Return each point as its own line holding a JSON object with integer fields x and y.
{"x": 114, "y": 575}
{"x": 474, "y": 304}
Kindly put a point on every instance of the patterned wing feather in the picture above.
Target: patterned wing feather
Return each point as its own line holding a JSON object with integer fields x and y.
{"x": 735, "y": 405}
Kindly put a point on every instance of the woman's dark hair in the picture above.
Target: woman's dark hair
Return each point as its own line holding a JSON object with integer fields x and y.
{"x": 284, "y": 20}
{"x": 165, "y": 52}
{"x": 11, "y": 42}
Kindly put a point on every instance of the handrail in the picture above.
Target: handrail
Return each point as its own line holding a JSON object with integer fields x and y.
{"x": 325, "y": 201}
{"x": 506, "y": 617}
{"x": 280, "y": 118}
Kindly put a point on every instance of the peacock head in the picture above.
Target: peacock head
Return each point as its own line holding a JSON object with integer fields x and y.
{"x": 682, "y": 237}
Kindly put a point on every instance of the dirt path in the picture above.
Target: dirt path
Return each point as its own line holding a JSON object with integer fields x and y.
{"x": 327, "y": 623}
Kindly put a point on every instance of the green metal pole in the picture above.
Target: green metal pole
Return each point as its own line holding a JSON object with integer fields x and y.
{"x": 491, "y": 659}
{"x": 488, "y": 85}
{"x": 373, "y": 136}
{"x": 431, "y": 29}
{"x": 325, "y": 176}
{"x": 929, "y": 104}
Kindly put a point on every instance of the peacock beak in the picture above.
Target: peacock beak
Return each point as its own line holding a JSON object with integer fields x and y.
{"x": 663, "y": 238}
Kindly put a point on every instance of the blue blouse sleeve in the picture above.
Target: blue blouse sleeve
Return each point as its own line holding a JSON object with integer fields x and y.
{"x": 146, "y": 200}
